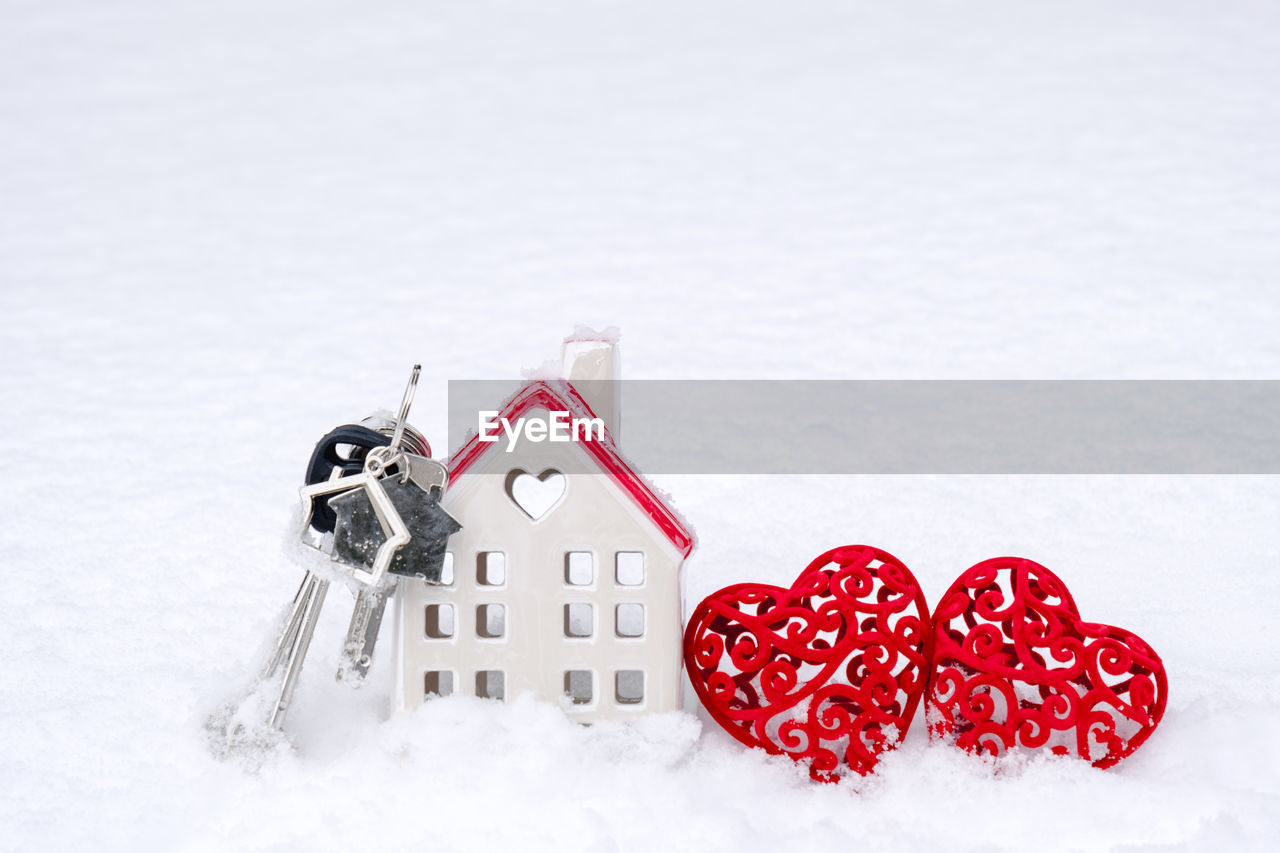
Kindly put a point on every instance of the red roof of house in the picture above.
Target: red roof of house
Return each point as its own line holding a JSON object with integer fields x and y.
{"x": 560, "y": 395}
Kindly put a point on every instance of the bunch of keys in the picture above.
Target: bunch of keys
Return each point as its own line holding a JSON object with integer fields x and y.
{"x": 384, "y": 513}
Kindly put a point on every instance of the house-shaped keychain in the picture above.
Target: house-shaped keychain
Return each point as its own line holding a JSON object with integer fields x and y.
{"x": 564, "y": 581}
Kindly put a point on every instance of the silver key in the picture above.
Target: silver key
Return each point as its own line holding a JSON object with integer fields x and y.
{"x": 362, "y": 633}
{"x": 295, "y": 636}
{"x": 416, "y": 494}
{"x": 423, "y": 559}
{"x": 295, "y": 639}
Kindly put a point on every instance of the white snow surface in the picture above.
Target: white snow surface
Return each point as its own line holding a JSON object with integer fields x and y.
{"x": 226, "y": 228}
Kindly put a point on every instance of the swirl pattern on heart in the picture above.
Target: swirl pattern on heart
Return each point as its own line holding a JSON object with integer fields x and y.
{"x": 827, "y": 672}
{"x": 1015, "y": 665}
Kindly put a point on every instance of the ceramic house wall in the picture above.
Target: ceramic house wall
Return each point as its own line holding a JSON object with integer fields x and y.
{"x": 533, "y": 650}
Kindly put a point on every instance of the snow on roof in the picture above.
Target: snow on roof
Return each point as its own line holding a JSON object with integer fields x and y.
{"x": 560, "y": 395}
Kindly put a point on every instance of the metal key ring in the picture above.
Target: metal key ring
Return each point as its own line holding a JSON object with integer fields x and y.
{"x": 405, "y": 403}
{"x": 379, "y": 459}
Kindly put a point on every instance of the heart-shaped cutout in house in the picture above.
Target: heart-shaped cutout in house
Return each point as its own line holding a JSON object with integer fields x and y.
{"x": 828, "y": 672}
{"x": 536, "y": 496}
{"x": 1015, "y": 665}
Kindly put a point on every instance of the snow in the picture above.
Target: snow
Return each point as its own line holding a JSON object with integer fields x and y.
{"x": 226, "y": 229}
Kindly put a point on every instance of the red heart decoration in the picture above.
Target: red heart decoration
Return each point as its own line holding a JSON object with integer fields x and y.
{"x": 1015, "y": 665}
{"x": 831, "y": 669}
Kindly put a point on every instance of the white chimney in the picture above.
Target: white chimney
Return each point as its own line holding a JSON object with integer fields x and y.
{"x": 591, "y": 363}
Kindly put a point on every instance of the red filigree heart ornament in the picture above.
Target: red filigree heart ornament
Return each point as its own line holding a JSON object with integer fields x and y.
{"x": 828, "y": 672}
{"x": 1015, "y": 665}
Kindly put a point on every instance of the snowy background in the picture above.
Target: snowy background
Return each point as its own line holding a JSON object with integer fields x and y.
{"x": 225, "y": 228}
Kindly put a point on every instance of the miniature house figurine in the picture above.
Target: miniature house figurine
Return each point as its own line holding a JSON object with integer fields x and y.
{"x": 564, "y": 581}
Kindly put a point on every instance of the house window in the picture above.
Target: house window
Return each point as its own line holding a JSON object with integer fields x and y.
{"x": 579, "y": 568}
{"x": 438, "y": 682}
{"x": 578, "y": 686}
{"x": 578, "y": 620}
{"x": 628, "y": 685}
{"x": 629, "y": 620}
{"x": 630, "y": 568}
{"x": 491, "y": 621}
{"x": 439, "y": 624}
{"x": 491, "y": 684}
{"x": 446, "y": 569}
{"x": 491, "y": 568}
